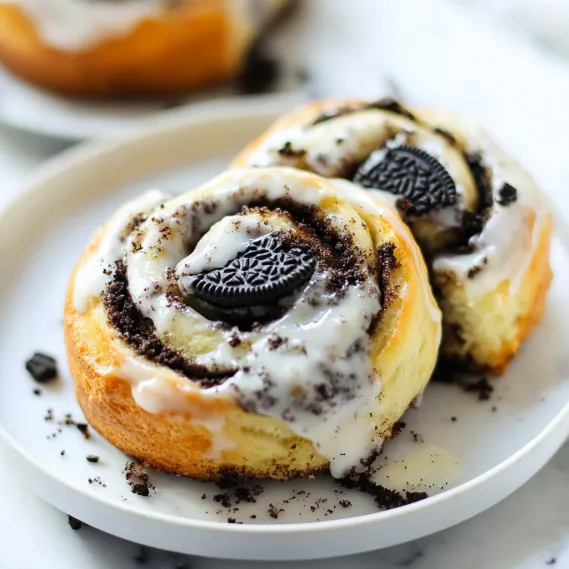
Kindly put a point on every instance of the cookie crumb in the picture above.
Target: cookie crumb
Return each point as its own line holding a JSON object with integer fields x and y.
{"x": 507, "y": 194}
{"x": 92, "y": 458}
{"x": 74, "y": 523}
{"x": 223, "y": 499}
{"x": 41, "y": 367}
{"x": 273, "y": 511}
{"x": 84, "y": 430}
{"x": 482, "y": 387}
{"x": 398, "y": 426}
{"x": 138, "y": 480}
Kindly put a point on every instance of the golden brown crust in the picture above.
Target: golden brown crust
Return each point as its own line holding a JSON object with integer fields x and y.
{"x": 190, "y": 46}
{"x": 255, "y": 446}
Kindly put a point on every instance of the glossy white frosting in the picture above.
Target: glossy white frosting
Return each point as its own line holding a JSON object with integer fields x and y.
{"x": 506, "y": 244}
{"x": 319, "y": 331}
{"x": 94, "y": 274}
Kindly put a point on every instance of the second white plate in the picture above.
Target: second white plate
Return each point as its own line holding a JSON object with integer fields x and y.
{"x": 467, "y": 454}
{"x": 34, "y": 110}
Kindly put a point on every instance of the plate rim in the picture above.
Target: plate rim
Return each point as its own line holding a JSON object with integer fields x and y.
{"x": 91, "y": 150}
{"x": 155, "y": 117}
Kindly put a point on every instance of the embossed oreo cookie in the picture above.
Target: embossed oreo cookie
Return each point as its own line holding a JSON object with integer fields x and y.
{"x": 265, "y": 272}
{"x": 411, "y": 173}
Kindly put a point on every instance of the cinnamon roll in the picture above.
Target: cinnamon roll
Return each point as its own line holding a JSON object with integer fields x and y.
{"x": 268, "y": 323}
{"x": 108, "y": 49}
{"x": 478, "y": 216}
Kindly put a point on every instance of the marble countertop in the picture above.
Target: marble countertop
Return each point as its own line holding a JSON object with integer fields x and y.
{"x": 499, "y": 79}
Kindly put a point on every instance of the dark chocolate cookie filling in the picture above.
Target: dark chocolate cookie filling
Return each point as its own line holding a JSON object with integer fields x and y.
{"x": 334, "y": 252}
{"x": 139, "y": 333}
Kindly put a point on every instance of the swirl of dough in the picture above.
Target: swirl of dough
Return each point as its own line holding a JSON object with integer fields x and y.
{"x": 314, "y": 331}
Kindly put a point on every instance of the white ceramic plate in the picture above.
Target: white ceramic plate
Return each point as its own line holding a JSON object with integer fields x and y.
{"x": 488, "y": 450}
{"x": 28, "y": 108}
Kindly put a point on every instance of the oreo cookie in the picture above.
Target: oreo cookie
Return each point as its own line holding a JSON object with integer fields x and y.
{"x": 411, "y": 173}
{"x": 266, "y": 272}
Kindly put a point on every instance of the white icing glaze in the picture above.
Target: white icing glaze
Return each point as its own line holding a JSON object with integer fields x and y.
{"x": 323, "y": 333}
{"x": 222, "y": 243}
{"x": 505, "y": 246}
{"x": 75, "y": 25}
{"x": 157, "y": 389}
{"x": 91, "y": 279}
{"x": 367, "y": 199}
{"x": 352, "y": 138}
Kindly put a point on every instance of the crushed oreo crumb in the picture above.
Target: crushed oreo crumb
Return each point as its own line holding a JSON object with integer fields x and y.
{"x": 74, "y": 523}
{"x": 41, "y": 367}
{"x": 482, "y": 387}
{"x": 473, "y": 222}
{"x": 234, "y": 341}
{"x": 398, "y": 426}
{"x": 138, "y": 480}
{"x": 273, "y": 511}
{"x": 387, "y": 263}
{"x": 139, "y": 332}
{"x": 37, "y": 391}
{"x": 289, "y": 152}
{"x": 84, "y": 430}
{"x": 223, "y": 499}
{"x": 507, "y": 194}
{"x": 383, "y": 497}
{"x": 92, "y": 458}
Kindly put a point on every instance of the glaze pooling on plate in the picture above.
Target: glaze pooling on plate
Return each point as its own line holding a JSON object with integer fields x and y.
{"x": 287, "y": 371}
